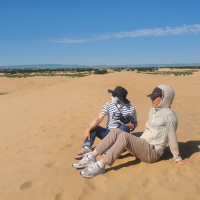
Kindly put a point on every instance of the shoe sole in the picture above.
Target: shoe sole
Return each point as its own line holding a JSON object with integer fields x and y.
{"x": 80, "y": 167}
{"x": 91, "y": 176}
{"x": 80, "y": 157}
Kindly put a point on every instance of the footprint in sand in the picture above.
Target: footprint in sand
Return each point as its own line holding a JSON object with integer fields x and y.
{"x": 30, "y": 184}
{"x": 185, "y": 173}
{"x": 58, "y": 151}
{"x": 89, "y": 191}
{"x": 173, "y": 179}
{"x": 63, "y": 148}
{"x": 95, "y": 185}
{"x": 55, "y": 151}
{"x": 150, "y": 182}
{"x": 50, "y": 165}
{"x": 128, "y": 197}
{"x": 146, "y": 183}
{"x": 171, "y": 175}
{"x": 197, "y": 188}
{"x": 61, "y": 196}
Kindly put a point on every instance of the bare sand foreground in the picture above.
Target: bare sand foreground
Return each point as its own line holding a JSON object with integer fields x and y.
{"x": 42, "y": 122}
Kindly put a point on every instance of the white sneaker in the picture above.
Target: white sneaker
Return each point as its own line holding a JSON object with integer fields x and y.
{"x": 84, "y": 162}
{"x": 92, "y": 171}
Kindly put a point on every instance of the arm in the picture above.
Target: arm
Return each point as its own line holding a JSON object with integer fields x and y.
{"x": 93, "y": 125}
{"x": 171, "y": 125}
{"x": 133, "y": 120}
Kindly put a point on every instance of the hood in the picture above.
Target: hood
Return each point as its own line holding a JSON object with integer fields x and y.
{"x": 167, "y": 96}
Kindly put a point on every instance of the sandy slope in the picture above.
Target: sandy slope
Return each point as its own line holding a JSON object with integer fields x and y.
{"x": 41, "y": 126}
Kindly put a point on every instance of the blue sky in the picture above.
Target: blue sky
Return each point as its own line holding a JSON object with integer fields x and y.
{"x": 93, "y": 32}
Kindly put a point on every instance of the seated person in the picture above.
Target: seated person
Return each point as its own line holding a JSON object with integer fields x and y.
{"x": 160, "y": 129}
{"x": 121, "y": 114}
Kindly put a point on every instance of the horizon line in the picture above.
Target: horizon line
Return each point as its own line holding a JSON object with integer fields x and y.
{"x": 170, "y": 64}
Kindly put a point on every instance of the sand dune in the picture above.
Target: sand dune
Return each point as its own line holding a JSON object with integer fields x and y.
{"x": 41, "y": 128}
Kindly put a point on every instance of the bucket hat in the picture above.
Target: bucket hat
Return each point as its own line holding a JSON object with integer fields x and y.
{"x": 121, "y": 93}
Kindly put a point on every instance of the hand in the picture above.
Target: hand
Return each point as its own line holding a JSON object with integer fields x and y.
{"x": 129, "y": 125}
{"x": 86, "y": 135}
{"x": 184, "y": 162}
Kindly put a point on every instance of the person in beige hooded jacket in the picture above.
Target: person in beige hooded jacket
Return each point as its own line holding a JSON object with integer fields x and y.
{"x": 160, "y": 130}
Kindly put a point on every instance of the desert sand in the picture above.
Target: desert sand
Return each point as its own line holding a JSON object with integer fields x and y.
{"x": 42, "y": 123}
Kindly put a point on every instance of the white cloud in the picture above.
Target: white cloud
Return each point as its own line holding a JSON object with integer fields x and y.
{"x": 137, "y": 33}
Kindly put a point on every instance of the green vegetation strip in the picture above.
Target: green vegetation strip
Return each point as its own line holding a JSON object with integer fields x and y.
{"x": 175, "y": 73}
{"x": 81, "y": 72}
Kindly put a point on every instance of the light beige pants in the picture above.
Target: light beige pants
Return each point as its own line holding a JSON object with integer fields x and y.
{"x": 119, "y": 141}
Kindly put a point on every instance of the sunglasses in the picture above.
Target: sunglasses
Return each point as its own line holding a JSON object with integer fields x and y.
{"x": 154, "y": 98}
{"x": 113, "y": 95}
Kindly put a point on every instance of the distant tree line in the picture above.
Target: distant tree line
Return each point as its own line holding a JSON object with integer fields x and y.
{"x": 99, "y": 71}
{"x": 96, "y": 70}
{"x": 80, "y": 72}
{"x": 184, "y": 67}
{"x": 149, "y": 69}
{"x": 44, "y": 70}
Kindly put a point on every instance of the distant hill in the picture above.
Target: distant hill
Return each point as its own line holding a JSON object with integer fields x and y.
{"x": 95, "y": 66}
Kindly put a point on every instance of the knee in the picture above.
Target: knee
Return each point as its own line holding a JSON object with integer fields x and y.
{"x": 124, "y": 136}
{"x": 123, "y": 127}
{"x": 98, "y": 128}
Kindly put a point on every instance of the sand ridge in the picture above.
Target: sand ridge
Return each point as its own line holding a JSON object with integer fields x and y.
{"x": 41, "y": 127}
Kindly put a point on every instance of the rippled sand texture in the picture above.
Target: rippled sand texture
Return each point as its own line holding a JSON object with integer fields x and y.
{"x": 42, "y": 123}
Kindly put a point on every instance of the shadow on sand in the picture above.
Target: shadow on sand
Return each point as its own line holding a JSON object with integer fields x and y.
{"x": 186, "y": 150}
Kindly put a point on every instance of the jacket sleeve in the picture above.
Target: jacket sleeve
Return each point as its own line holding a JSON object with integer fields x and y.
{"x": 171, "y": 126}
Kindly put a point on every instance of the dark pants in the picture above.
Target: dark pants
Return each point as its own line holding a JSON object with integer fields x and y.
{"x": 101, "y": 133}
